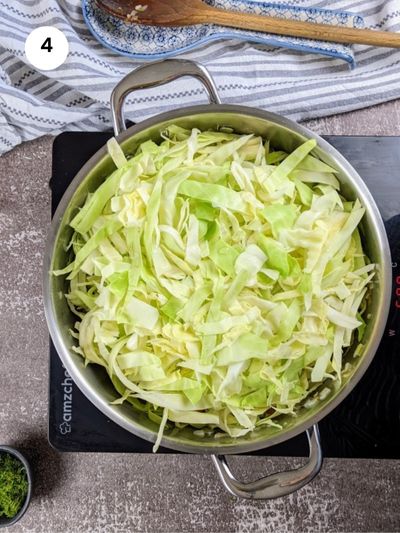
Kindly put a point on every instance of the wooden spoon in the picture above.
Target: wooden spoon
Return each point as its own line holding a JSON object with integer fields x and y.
{"x": 190, "y": 12}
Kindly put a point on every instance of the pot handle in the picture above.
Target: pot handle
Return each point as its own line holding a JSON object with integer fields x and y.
{"x": 158, "y": 73}
{"x": 274, "y": 485}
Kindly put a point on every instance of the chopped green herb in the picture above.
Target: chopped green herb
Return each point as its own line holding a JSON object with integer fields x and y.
{"x": 13, "y": 485}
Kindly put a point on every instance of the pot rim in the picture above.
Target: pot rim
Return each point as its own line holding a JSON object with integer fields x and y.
{"x": 380, "y": 322}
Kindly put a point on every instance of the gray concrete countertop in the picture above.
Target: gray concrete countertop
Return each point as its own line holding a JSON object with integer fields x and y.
{"x": 115, "y": 492}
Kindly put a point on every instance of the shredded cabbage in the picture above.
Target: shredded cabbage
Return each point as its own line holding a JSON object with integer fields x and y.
{"x": 217, "y": 281}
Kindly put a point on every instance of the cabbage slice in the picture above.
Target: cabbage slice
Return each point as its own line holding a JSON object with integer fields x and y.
{"x": 218, "y": 281}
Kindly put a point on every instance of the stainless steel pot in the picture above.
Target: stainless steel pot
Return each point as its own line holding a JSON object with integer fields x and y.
{"x": 93, "y": 380}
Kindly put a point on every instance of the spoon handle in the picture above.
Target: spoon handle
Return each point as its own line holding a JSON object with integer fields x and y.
{"x": 296, "y": 28}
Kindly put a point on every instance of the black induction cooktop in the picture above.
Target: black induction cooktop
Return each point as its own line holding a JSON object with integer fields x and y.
{"x": 366, "y": 424}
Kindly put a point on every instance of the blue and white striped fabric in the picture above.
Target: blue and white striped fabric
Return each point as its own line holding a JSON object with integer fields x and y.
{"x": 76, "y": 95}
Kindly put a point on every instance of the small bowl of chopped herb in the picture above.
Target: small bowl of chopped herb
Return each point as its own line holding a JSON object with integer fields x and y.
{"x": 15, "y": 485}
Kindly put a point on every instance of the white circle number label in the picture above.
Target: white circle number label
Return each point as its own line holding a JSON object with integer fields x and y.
{"x": 46, "y": 48}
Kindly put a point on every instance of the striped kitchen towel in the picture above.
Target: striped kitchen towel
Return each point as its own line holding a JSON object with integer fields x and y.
{"x": 75, "y": 96}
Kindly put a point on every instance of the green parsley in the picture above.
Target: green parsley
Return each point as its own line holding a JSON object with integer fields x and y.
{"x": 13, "y": 485}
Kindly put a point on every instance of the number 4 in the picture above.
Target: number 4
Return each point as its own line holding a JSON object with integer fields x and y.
{"x": 47, "y": 45}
